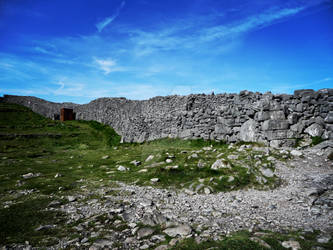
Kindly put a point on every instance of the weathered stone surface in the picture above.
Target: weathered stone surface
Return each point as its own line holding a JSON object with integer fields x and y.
{"x": 144, "y": 232}
{"x": 277, "y": 115}
{"x": 296, "y": 153}
{"x": 275, "y": 124}
{"x": 262, "y": 116}
{"x": 267, "y": 172}
{"x": 329, "y": 117}
{"x": 292, "y": 118}
{"x": 248, "y": 131}
{"x": 314, "y": 130}
{"x": 294, "y": 245}
{"x": 228, "y": 117}
{"x": 121, "y": 168}
{"x": 218, "y": 164}
{"x": 181, "y": 230}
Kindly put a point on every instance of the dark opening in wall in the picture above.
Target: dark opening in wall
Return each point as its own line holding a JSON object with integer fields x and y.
{"x": 66, "y": 114}
{"x": 56, "y": 117}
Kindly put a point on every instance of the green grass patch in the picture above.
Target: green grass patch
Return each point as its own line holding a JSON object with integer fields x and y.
{"x": 316, "y": 140}
{"x": 19, "y": 222}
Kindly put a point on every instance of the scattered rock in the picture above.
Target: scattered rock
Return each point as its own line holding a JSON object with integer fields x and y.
{"x": 218, "y": 164}
{"x": 149, "y": 158}
{"x": 28, "y": 176}
{"x": 136, "y": 163}
{"x": 144, "y": 232}
{"x": 296, "y": 153}
{"x": 121, "y": 168}
{"x": 101, "y": 243}
{"x": 105, "y": 157}
{"x": 194, "y": 155}
{"x": 57, "y": 175}
{"x": 267, "y": 172}
{"x": 154, "y": 180}
{"x": 294, "y": 245}
{"x": 181, "y": 230}
{"x": 207, "y": 190}
{"x": 172, "y": 167}
{"x": 71, "y": 198}
{"x": 168, "y": 160}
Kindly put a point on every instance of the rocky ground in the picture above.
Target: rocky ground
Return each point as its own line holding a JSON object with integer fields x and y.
{"x": 82, "y": 189}
{"x": 146, "y": 217}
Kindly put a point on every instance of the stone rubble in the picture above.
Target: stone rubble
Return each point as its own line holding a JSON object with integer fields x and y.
{"x": 303, "y": 201}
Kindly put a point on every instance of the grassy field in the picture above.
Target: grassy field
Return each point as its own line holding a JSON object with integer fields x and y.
{"x": 42, "y": 159}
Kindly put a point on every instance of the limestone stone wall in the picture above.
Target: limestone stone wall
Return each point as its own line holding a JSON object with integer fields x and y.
{"x": 277, "y": 120}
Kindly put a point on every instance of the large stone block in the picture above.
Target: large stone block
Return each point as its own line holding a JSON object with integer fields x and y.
{"x": 314, "y": 130}
{"x": 275, "y": 125}
{"x": 277, "y": 115}
{"x": 299, "y": 127}
{"x": 249, "y": 131}
{"x": 223, "y": 129}
{"x": 292, "y": 118}
{"x": 226, "y": 121}
{"x": 262, "y": 116}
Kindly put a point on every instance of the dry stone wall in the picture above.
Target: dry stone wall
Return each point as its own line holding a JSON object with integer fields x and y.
{"x": 278, "y": 120}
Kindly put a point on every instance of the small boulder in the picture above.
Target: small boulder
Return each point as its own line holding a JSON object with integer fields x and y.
{"x": 71, "y": 198}
{"x": 181, "y": 230}
{"x": 267, "y": 172}
{"x": 218, "y": 164}
{"x": 149, "y": 158}
{"x": 168, "y": 160}
{"x": 144, "y": 232}
{"x": 296, "y": 153}
{"x": 144, "y": 170}
{"x": 136, "y": 163}
{"x": 314, "y": 130}
{"x": 294, "y": 245}
{"x": 171, "y": 167}
{"x": 121, "y": 168}
{"x": 28, "y": 176}
{"x": 154, "y": 180}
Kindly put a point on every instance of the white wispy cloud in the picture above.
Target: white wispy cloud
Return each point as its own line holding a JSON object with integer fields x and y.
{"x": 175, "y": 36}
{"x": 108, "y": 65}
{"x": 249, "y": 24}
{"x": 106, "y": 21}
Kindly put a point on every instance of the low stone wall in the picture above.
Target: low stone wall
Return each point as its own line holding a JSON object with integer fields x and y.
{"x": 277, "y": 120}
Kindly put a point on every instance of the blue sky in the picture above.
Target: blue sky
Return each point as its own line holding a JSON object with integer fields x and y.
{"x": 81, "y": 50}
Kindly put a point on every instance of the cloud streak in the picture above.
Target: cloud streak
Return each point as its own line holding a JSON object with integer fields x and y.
{"x": 175, "y": 37}
{"x": 249, "y": 24}
{"x": 106, "y": 21}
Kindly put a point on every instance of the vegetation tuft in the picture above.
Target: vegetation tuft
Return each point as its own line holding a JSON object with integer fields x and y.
{"x": 316, "y": 140}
